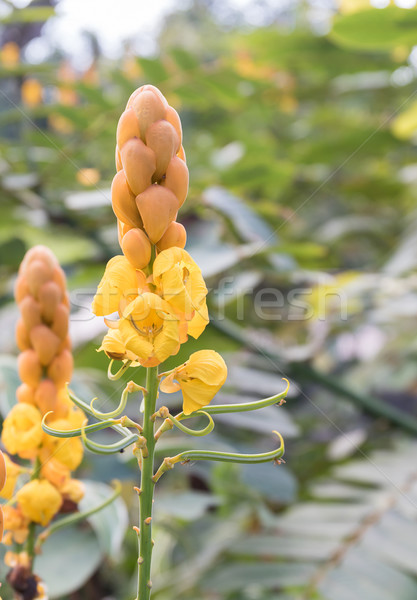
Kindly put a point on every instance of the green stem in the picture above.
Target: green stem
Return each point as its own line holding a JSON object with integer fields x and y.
{"x": 147, "y": 487}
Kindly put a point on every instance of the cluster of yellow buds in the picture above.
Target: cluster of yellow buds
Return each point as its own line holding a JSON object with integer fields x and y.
{"x": 156, "y": 288}
{"x": 45, "y": 367}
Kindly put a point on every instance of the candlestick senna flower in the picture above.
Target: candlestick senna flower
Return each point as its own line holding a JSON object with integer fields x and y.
{"x": 199, "y": 379}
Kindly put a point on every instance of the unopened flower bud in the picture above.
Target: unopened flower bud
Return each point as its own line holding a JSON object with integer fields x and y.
{"x": 148, "y": 108}
{"x": 29, "y": 366}
{"x": 139, "y": 164}
{"x": 162, "y": 138}
{"x": 158, "y": 207}
{"x": 123, "y": 201}
{"x": 127, "y": 127}
{"x": 25, "y": 393}
{"x": 46, "y": 396}
{"x": 31, "y": 312}
{"x": 22, "y": 336}
{"x": 137, "y": 248}
{"x": 175, "y": 235}
{"x": 172, "y": 117}
{"x": 60, "y": 323}
{"x": 176, "y": 179}
{"x": 45, "y": 342}
{"x": 37, "y": 273}
{"x": 60, "y": 369}
{"x": 50, "y": 295}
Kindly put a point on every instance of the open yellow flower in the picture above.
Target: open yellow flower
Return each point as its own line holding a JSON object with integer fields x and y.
{"x": 12, "y": 473}
{"x": 16, "y": 524}
{"x": 39, "y": 501}
{"x": 120, "y": 284}
{"x": 199, "y": 379}
{"x": 178, "y": 279}
{"x": 149, "y": 330}
{"x": 22, "y": 431}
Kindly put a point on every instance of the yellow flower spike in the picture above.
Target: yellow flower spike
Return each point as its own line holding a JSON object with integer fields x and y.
{"x": 39, "y": 501}
{"x": 22, "y": 431}
{"x": 179, "y": 280}
{"x": 120, "y": 281}
{"x": 200, "y": 378}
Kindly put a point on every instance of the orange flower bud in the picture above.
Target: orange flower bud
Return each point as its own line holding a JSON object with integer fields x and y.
{"x": 45, "y": 342}
{"x": 46, "y": 396}
{"x": 41, "y": 253}
{"x": 172, "y": 117}
{"x": 162, "y": 138}
{"x": 50, "y": 295}
{"x": 25, "y": 393}
{"x": 181, "y": 154}
{"x": 118, "y": 159}
{"x": 148, "y": 108}
{"x": 29, "y": 366}
{"x": 123, "y": 201}
{"x": 122, "y": 229}
{"x": 31, "y": 312}
{"x": 59, "y": 278}
{"x": 22, "y": 336}
{"x": 137, "y": 248}
{"x": 2, "y": 471}
{"x": 139, "y": 164}
{"x": 21, "y": 288}
{"x": 158, "y": 207}
{"x": 175, "y": 235}
{"x": 148, "y": 87}
{"x": 61, "y": 319}
{"x": 127, "y": 127}
{"x": 176, "y": 179}
{"x": 37, "y": 273}
{"x": 60, "y": 369}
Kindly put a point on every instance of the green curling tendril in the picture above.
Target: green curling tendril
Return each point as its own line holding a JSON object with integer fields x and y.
{"x": 199, "y": 433}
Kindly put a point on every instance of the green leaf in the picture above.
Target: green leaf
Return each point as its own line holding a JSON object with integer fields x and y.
{"x": 109, "y": 524}
{"x": 32, "y": 14}
{"x": 376, "y": 29}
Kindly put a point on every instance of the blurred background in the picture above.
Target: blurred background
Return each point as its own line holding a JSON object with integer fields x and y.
{"x": 300, "y": 129}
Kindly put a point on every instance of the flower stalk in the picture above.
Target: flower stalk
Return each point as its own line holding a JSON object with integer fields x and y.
{"x": 147, "y": 488}
{"x": 159, "y": 294}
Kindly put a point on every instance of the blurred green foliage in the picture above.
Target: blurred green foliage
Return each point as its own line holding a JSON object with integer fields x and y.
{"x": 303, "y": 172}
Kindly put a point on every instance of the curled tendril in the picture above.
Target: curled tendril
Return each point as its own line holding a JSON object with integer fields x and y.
{"x": 233, "y": 457}
{"x": 120, "y": 372}
{"x": 87, "y": 409}
{"x": 199, "y": 433}
{"x": 77, "y": 432}
{"x": 108, "y": 448}
{"x": 217, "y": 409}
{"x": 130, "y": 388}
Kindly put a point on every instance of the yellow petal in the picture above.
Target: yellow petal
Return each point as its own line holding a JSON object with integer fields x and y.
{"x": 199, "y": 322}
{"x": 120, "y": 280}
{"x": 168, "y": 385}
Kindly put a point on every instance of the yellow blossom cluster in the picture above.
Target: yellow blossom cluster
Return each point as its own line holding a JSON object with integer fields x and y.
{"x": 45, "y": 366}
{"x": 155, "y": 287}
